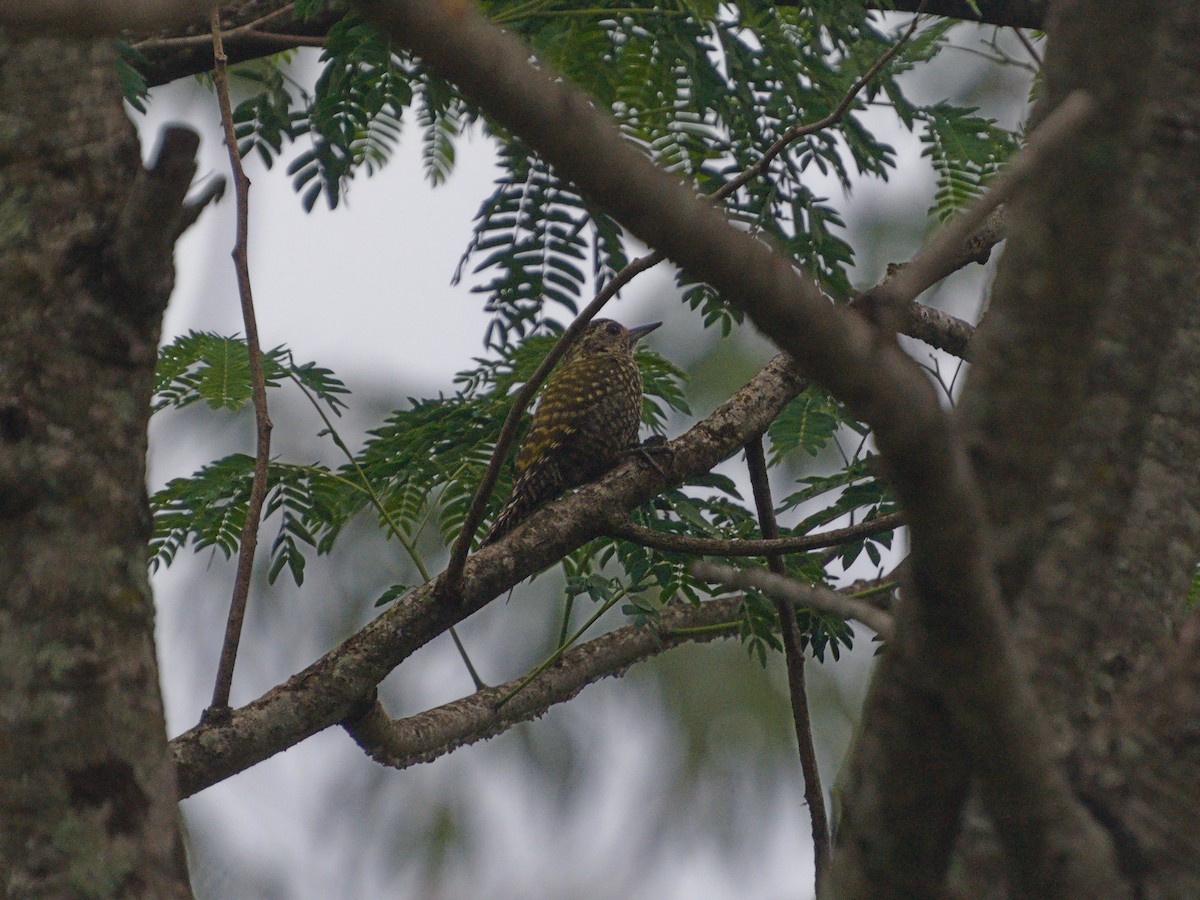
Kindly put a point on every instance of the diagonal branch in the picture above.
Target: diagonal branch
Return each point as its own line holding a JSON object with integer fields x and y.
{"x": 954, "y": 603}
{"x": 961, "y": 233}
{"x": 426, "y": 736}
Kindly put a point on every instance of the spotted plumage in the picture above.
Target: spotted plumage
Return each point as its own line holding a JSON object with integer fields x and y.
{"x": 586, "y": 419}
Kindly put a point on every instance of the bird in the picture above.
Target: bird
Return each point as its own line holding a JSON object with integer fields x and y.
{"x": 586, "y": 420}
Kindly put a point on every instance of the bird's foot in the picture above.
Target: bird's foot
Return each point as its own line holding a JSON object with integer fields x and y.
{"x": 651, "y": 450}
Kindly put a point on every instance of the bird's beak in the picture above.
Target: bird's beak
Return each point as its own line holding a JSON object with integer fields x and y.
{"x": 636, "y": 334}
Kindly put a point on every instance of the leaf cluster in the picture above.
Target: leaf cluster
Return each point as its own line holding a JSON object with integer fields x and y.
{"x": 418, "y": 469}
{"x": 700, "y": 87}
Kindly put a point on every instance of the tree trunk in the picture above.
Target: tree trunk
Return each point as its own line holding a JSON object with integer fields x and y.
{"x": 1081, "y": 414}
{"x": 87, "y": 790}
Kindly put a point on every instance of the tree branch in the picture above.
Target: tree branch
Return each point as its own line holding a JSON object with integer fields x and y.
{"x": 974, "y": 226}
{"x": 424, "y": 737}
{"x": 684, "y": 543}
{"x": 99, "y": 18}
{"x": 166, "y": 61}
{"x": 330, "y": 689}
{"x": 1015, "y": 13}
{"x": 254, "y": 29}
{"x": 793, "y": 655}
{"x": 153, "y": 218}
{"x": 820, "y": 599}
{"x": 262, "y": 419}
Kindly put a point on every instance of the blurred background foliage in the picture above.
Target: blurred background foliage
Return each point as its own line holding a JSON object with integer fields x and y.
{"x": 681, "y": 779}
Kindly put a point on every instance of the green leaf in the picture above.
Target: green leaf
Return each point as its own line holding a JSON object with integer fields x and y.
{"x": 216, "y": 369}
{"x": 966, "y": 150}
{"x": 129, "y": 76}
{"x": 395, "y": 592}
{"x": 808, "y": 423}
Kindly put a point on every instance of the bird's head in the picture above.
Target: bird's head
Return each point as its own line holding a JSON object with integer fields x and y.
{"x": 604, "y": 336}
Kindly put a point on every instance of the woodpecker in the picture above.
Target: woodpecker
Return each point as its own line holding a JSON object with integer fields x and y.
{"x": 587, "y": 418}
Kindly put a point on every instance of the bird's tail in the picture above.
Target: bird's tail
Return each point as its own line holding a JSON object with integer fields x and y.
{"x": 515, "y": 511}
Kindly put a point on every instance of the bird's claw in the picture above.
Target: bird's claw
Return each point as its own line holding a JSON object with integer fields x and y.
{"x": 654, "y": 446}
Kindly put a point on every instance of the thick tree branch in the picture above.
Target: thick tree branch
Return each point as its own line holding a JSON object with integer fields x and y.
{"x": 153, "y": 218}
{"x": 904, "y": 282}
{"x": 426, "y": 736}
{"x": 99, "y": 18}
{"x": 327, "y": 691}
{"x": 254, "y": 28}
{"x": 166, "y": 59}
{"x": 936, "y": 328}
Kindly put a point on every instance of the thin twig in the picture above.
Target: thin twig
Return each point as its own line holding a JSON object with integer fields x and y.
{"x": 449, "y": 585}
{"x": 1029, "y": 48}
{"x": 947, "y": 244}
{"x": 756, "y": 463}
{"x": 683, "y": 543}
{"x": 409, "y": 544}
{"x": 564, "y": 646}
{"x": 262, "y": 419}
{"x": 249, "y": 29}
{"x": 820, "y": 599}
{"x": 798, "y": 131}
{"x": 244, "y": 33}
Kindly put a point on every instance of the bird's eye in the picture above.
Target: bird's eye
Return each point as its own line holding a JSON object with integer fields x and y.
{"x": 612, "y": 328}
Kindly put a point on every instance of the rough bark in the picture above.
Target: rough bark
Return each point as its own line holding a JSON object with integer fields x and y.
{"x": 1102, "y": 502}
{"x": 1105, "y": 602}
{"x": 1071, "y": 297}
{"x": 87, "y": 791}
